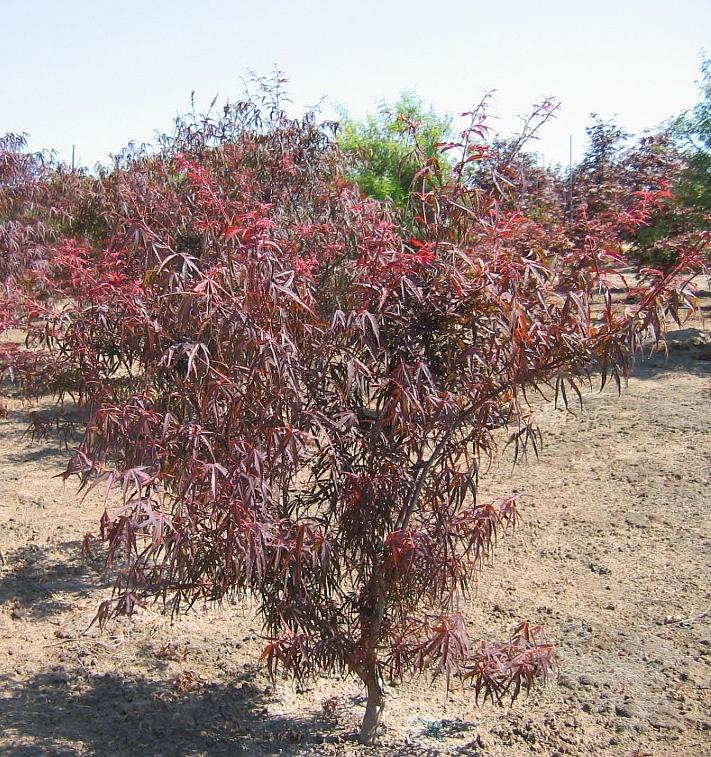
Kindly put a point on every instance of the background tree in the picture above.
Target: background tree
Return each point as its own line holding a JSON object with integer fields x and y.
{"x": 693, "y": 129}
{"x": 40, "y": 202}
{"x": 384, "y": 150}
{"x": 614, "y": 173}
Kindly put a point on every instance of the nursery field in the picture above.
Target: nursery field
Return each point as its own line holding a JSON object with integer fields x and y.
{"x": 612, "y": 557}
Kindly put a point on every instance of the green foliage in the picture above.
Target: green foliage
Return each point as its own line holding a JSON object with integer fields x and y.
{"x": 694, "y": 132}
{"x": 385, "y": 155}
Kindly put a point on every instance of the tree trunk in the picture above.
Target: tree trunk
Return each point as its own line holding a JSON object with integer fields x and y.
{"x": 371, "y": 619}
{"x": 373, "y": 712}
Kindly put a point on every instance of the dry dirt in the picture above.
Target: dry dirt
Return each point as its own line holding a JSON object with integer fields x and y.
{"x": 613, "y": 558}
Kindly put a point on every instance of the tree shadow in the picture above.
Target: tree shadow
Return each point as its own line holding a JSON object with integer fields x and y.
{"x": 39, "y": 582}
{"x": 686, "y": 354}
{"x": 44, "y": 452}
{"x": 63, "y": 712}
{"x": 22, "y": 448}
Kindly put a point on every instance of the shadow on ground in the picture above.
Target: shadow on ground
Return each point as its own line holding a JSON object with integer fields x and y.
{"x": 25, "y": 449}
{"x": 687, "y": 352}
{"x": 63, "y": 713}
{"x": 41, "y": 582}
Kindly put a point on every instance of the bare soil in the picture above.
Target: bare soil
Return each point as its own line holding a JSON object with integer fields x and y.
{"x": 612, "y": 558}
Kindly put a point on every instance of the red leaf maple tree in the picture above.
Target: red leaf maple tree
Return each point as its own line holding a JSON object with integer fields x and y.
{"x": 292, "y": 388}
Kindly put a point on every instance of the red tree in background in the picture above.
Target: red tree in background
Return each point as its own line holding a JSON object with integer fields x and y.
{"x": 293, "y": 394}
{"x": 43, "y": 207}
{"x": 610, "y": 182}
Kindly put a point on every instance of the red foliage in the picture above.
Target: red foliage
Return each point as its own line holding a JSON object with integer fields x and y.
{"x": 292, "y": 393}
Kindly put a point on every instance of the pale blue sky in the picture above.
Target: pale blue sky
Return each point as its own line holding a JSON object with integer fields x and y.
{"x": 98, "y": 74}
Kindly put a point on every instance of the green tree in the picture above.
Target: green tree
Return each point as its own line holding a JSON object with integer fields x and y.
{"x": 385, "y": 155}
{"x": 693, "y": 130}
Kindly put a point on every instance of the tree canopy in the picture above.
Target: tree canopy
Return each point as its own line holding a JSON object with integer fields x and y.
{"x": 386, "y": 148}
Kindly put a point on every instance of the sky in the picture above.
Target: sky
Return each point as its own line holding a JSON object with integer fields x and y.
{"x": 97, "y": 75}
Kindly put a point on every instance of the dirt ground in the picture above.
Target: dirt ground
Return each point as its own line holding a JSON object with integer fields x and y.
{"x": 612, "y": 558}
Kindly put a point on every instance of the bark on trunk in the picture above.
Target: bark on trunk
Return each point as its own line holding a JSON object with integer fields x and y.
{"x": 373, "y": 712}
{"x": 371, "y": 620}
